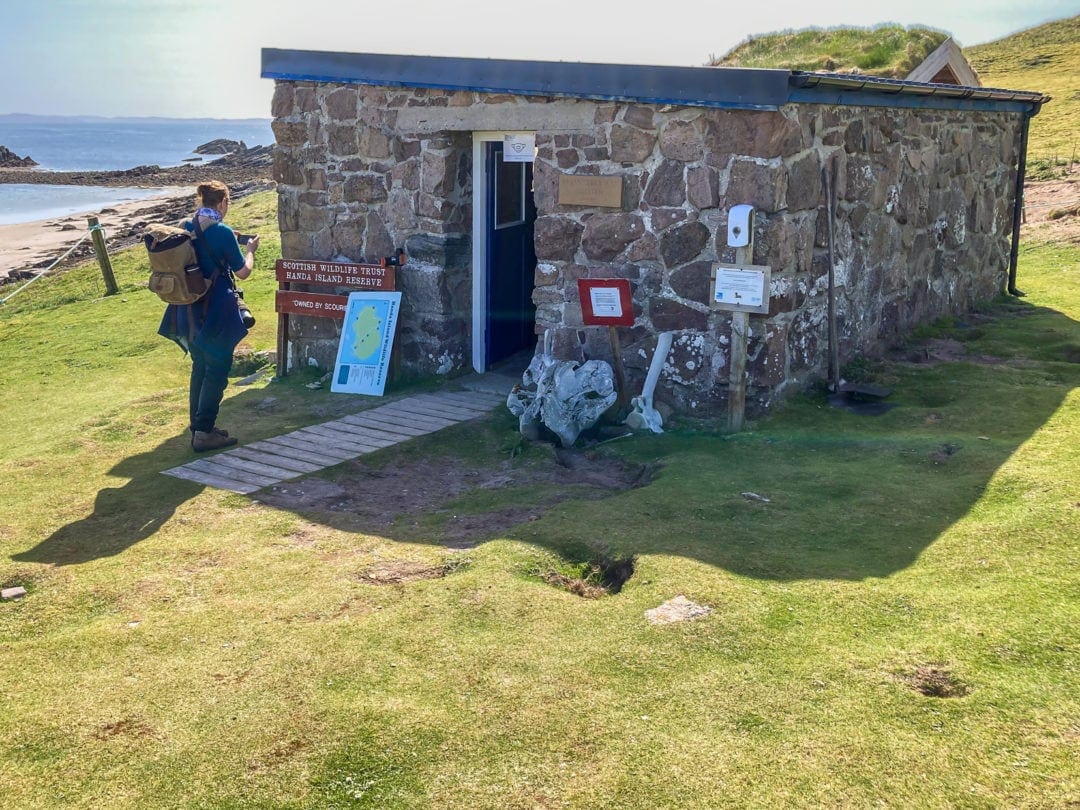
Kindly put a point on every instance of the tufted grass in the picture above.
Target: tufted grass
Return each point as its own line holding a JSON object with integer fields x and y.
{"x": 896, "y": 624}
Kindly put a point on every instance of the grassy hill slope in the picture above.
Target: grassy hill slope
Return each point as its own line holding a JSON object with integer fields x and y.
{"x": 1046, "y": 59}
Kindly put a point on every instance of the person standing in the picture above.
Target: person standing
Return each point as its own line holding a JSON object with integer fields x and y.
{"x": 210, "y": 329}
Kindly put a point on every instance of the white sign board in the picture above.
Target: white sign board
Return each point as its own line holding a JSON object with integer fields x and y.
{"x": 519, "y": 148}
{"x": 367, "y": 336}
{"x": 741, "y": 288}
{"x": 606, "y": 302}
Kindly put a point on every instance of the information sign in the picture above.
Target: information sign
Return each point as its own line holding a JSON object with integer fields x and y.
{"x": 519, "y": 148}
{"x": 367, "y": 336}
{"x": 336, "y": 274}
{"x": 315, "y": 305}
{"x": 605, "y": 302}
{"x": 741, "y": 288}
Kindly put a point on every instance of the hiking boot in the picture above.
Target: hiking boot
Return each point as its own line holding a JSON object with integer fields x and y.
{"x": 216, "y": 430}
{"x": 201, "y": 441}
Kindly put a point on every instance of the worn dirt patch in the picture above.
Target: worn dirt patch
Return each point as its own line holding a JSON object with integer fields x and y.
{"x": 398, "y": 572}
{"x": 415, "y": 499}
{"x": 1045, "y": 204}
{"x": 935, "y": 680}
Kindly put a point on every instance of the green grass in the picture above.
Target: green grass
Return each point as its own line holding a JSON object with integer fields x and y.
{"x": 890, "y": 51}
{"x": 184, "y": 647}
{"x": 1044, "y": 59}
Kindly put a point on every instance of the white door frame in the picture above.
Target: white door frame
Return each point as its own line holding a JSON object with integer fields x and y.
{"x": 480, "y": 243}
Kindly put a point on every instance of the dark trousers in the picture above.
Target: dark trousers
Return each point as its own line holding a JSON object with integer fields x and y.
{"x": 208, "y": 382}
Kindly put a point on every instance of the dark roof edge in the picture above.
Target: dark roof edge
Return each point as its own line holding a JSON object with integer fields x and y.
{"x": 897, "y": 87}
{"x": 709, "y": 87}
{"x": 736, "y": 88}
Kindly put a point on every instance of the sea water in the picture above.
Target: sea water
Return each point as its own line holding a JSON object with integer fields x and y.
{"x": 105, "y": 144}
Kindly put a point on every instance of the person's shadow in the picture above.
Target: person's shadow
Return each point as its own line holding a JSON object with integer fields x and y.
{"x": 122, "y": 515}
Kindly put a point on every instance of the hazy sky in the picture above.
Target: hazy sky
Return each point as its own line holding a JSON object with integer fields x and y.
{"x": 195, "y": 58}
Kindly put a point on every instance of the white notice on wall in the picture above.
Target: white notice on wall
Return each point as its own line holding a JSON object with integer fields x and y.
{"x": 739, "y": 287}
{"x": 519, "y": 148}
{"x": 606, "y": 302}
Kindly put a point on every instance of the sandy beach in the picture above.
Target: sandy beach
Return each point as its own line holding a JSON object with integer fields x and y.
{"x": 30, "y": 246}
{"x": 27, "y": 248}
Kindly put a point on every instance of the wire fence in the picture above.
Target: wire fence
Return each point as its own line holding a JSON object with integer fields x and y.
{"x": 50, "y": 268}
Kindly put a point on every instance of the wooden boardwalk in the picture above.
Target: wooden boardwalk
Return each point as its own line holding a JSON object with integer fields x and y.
{"x": 259, "y": 464}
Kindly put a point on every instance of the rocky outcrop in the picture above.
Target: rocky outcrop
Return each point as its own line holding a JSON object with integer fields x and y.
{"x": 245, "y": 166}
{"x": 221, "y": 146}
{"x": 9, "y": 160}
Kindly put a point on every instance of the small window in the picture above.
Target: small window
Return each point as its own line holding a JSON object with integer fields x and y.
{"x": 509, "y": 194}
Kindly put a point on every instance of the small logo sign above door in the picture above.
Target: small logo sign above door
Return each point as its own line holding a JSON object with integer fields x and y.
{"x": 519, "y": 148}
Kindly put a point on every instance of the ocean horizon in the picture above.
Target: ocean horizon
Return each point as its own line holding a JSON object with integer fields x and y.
{"x": 80, "y": 143}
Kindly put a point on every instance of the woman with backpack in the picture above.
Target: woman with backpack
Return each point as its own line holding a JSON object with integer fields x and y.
{"x": 210, "y": 328}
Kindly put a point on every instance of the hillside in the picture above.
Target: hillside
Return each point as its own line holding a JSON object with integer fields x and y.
{"x": 1045, "y": 59}
{"x": 887, "y": 51}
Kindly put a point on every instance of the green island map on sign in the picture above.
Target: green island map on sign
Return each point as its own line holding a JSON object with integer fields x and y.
{"x": 368, "y": 332}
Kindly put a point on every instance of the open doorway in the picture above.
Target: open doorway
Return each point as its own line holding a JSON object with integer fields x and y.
{"x": 504, "y": 255}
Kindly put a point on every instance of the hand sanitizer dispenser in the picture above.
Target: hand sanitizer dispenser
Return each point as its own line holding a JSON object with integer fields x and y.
{"x": 740, "y": 225}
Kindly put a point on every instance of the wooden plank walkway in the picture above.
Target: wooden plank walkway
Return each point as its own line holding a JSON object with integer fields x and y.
{"x": 259, "y": 464}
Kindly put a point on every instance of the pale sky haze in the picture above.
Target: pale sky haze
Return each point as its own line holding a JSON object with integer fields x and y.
{"x": 196, "y": 58}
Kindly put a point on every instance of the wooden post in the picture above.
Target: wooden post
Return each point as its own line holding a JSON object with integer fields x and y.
{"x": 98, "y": 237}
{"x": 622, "y": 404}
{"x": 740, "y": 330}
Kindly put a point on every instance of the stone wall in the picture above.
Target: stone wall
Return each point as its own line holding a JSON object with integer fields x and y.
{"x": 923, "y": 221}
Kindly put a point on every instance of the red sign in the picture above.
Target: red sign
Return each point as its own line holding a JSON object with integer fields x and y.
{"x": 315, "y": 305}
{"x": 335, "y": 274}
{"x": 606, "y": 301}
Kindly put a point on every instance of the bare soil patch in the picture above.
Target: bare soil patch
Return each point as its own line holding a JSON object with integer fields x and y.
{"x": 1050, "y": 208}
{"x": 935, "y": 680}
{"x": 425, "y": 500}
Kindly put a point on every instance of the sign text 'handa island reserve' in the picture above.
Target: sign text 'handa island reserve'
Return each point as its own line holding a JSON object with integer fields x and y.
{"x": 362, "y": 276}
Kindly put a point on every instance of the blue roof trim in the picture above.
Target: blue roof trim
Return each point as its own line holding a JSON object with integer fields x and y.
{"x": 733, "y": 88}
{"x": 695, "y": 87}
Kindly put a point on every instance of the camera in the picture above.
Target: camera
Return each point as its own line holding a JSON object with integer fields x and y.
{"x": 244, "y": 238}
{"x": 245, "y": 313}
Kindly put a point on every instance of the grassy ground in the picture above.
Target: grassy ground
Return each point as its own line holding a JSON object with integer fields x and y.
{"x": 896, "y": 625}
{"x": 890, "y": 51}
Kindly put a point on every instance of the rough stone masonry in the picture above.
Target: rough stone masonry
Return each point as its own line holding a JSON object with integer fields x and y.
{"x": 923, "y": 223}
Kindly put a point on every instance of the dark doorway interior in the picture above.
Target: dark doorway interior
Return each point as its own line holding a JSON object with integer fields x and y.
{"x": 511, "y": 259}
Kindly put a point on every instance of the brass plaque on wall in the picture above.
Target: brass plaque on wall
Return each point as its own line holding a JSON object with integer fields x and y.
{"x": 578, "y": 189}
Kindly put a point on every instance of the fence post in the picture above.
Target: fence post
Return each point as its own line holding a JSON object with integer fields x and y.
{"x": 98, "y": 236}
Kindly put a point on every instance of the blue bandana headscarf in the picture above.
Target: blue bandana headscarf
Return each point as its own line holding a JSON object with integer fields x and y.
{"x": 211, "y": 214}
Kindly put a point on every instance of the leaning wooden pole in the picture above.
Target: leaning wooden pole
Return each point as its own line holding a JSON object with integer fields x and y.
{"x": 740, "y": 335}
{"x": 98, "y": 237}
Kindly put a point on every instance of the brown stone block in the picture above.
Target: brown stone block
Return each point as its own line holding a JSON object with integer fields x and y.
{"x": 804, "y": 183}
{"x": 639, "y": 115}
{"x": 284, "y": 101}
{"x": 341, "y": 104}
{"x": 630, "y": 144}
{"x": 681, "y": 140}
{"x": 290, "y": 133}
{"x": 307, "y": 101}
{"x": 667, "y": 186}
{"x": 669, "y": 315}
{"x": 647, "y": 248}
{"x": 703, "y": 187}
{"x": 567, "y": 158}
{"x": 286, "y": 171}
{"x": 365, "y": 188}
{"x": 683, "y": 243}
{"x": 753, "y": 133}
{"x": 662, "y": 218}
{"x": 692, "y": 281}
{"x": 608, "y": 235}
{"x": 750, "y": 183}
{"x": 557, "y": 238}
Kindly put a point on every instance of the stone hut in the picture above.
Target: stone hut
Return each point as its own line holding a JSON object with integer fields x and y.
{"x": 376, "y": 153}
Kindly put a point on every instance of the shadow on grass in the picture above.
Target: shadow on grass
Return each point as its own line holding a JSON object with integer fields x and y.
{"x": 814, "y": 493}
{"x": 123, "y": 515}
